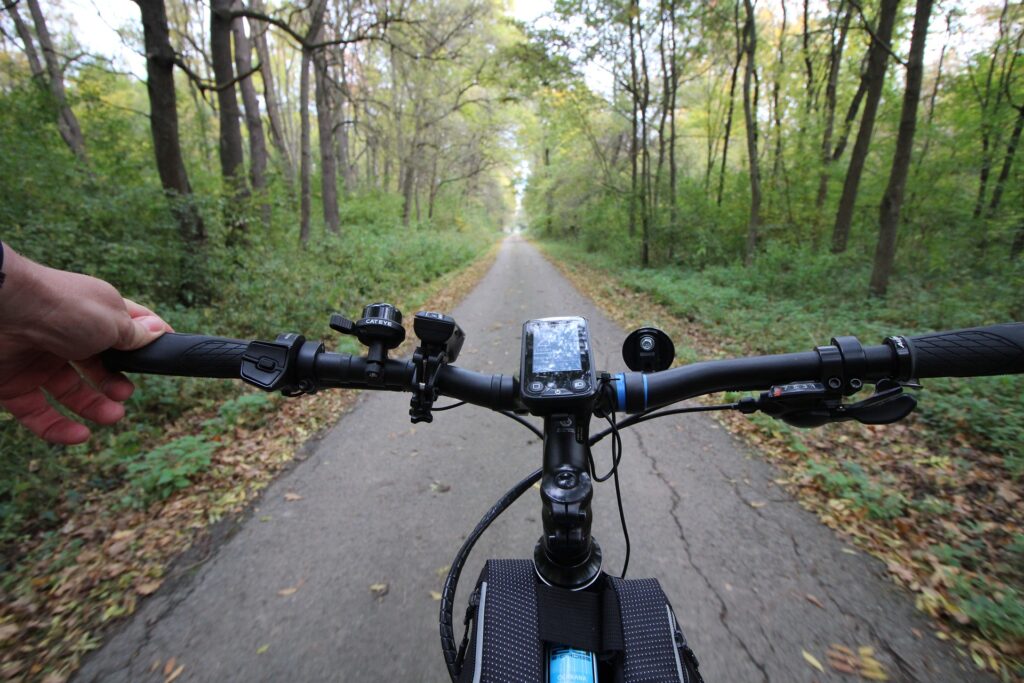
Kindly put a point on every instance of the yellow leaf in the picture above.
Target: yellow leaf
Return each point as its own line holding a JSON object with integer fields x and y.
{"x": 813, "y": 661}
{"x": 262, "y": 648}
{"x": 290, "y": 496}
{"x": 379, "y": 589}
{"x": 147, "y": 588}
{"x": 435, "y": 595}
{"x": 757, "y": 505}
{"x": 175, "y": 674}
{"x": 874, "y": 674}
{"x": 285, "y": 592}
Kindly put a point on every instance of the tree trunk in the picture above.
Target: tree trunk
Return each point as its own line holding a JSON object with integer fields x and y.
{"x": 732, "y": 103}
{"x": 987, "y": 109}
{"x": 878, "y": 57}
{"x": 28, "y": 42}
{"x": 231, "y": 155}
{"x": 663, "y": 114}
{"x": 645, "y": 207}
{"x": 549, "y": 191}
{"x": 851, "y": 113}
{"x": 831, "y": 87}
{"x": 776, "y": 106}
{"x": 672, "y": 167}
{"x": 750, "y": 118}
{"x": 67, "y": 122}
{"x": 342, "y": 125}
{"x": 808, "y": 61}
{"x": 634, "y": 8}
{"x": 1004, "y": 173}
{"x": 325, "y": 126}
{"x": 1017, "y": 248}
{"x": 305, "y": 156}
{"x": 258, "y": 30}
{"x": 163, "y": 121}
{"x": 253, "y": 119}
{"x": 892, "y": 200}
{"x": 934, "y": 95}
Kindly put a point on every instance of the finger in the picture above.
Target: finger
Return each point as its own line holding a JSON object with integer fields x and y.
{"x": 138, "y": 332}
{"x": 71, "y": 390}
{"x": 113, "y": 384}
{"x": 32, "y": 410}
{"x": 136, "y": 310}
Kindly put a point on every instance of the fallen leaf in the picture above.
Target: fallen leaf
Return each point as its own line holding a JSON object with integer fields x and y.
{"x": 757, "y": 505}
{"x": 290, "y": 496}
{"x": 435, "y": 595}
{"x": 175, "y": 674}
{"x": 814, "y": 601}
{"x": 849, "y": 551}
{"x": 285, "y": 592}
{"x": 54, "y": 677}
{"x": 262, "y": 648}
{"x": 439, "y": 487}
{"x": 536, "y": 485}
{"x": 1007, "y": 493}
{"x": 441, "y": 571}
{"x": 813, "y": 661}
{"x": 169, "y": 666}
{"x": 379, "y": 590}
{"x": 7, "y": 631}
{"x": 266, "y": 518}
{"x": 148, "y": 588}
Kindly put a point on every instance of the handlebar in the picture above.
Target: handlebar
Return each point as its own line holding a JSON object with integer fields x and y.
{"x": 844, "y": 366}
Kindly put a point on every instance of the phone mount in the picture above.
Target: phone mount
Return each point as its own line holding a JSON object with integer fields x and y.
{"x": 380, "y": 329}
{"x": 441, "y": 340}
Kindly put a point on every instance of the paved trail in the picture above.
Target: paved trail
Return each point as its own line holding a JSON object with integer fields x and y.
{"x": 737, "y": 574}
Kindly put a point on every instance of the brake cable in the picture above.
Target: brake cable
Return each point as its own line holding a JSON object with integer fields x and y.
{"x": 650, "y": 415}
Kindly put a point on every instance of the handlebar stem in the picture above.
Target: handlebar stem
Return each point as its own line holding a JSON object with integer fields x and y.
{"x": 566, "y": 555}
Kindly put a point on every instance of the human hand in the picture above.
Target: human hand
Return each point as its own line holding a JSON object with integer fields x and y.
{"x": 53, "y": 325}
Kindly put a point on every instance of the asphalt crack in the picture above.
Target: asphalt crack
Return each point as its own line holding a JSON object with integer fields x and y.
{"x": 723, "y": 612}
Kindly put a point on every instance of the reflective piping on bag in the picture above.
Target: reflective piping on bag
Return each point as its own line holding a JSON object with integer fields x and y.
{"x": 478, "y": 664}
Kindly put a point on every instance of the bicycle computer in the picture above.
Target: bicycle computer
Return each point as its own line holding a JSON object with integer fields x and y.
{"x": 557, "y": 365}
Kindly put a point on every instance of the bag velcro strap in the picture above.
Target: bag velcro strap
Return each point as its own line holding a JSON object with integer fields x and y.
{"x": 584, "y": 620}
{"x": 650, "y": 648}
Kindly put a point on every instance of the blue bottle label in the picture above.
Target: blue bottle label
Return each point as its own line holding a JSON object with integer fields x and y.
{"x": 568, "y": 665}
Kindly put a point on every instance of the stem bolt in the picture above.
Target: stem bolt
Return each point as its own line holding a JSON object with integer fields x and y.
{"x": 565, "y": 480}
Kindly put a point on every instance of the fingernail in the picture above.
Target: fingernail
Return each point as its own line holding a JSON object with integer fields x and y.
{"x": 152, "y": 323}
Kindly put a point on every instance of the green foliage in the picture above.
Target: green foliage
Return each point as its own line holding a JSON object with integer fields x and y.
{"x": 168, "y": 468}
{"x": 241, "y": 411}
{"x": 849, "y": 481}
{"x": 1000, "y": 617}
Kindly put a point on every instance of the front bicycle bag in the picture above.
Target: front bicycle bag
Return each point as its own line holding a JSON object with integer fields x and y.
{"x": 629, "y": 624}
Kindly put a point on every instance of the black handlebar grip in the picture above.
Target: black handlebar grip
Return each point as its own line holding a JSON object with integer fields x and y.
{"x": 183, "y": 355}
{"x": 992, "y": 350}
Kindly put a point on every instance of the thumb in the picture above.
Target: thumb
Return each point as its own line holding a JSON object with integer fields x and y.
{"x": 139, "y": 332}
